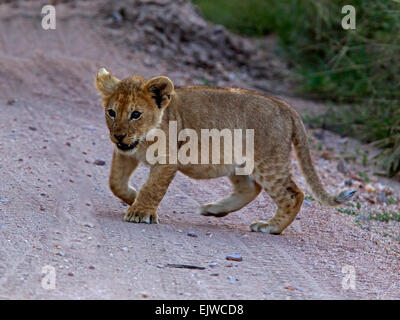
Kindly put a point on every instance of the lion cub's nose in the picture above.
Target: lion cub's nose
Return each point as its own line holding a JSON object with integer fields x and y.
{"x": 120, "y": 137}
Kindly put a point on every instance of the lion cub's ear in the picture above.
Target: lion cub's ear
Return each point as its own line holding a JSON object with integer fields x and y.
{"x": 106, "y": 83}
{"x": 160, "y": 89}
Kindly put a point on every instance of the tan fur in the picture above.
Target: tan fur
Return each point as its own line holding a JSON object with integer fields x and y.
{"x": 276, "y": 126}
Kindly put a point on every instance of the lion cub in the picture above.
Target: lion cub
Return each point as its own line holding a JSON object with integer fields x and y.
{"x": 134, "y": 106}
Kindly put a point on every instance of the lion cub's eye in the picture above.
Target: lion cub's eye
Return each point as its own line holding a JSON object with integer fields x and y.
{"x": 111, "y": 113}
{"x": 135, "y": 115}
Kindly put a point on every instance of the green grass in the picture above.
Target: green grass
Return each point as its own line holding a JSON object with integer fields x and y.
{"x": 347, "y": 211}
{"x": 356, "y": 68}
{"x": 249, "y": 17}
{"x": 385, "y": 216}
{"x": 364, "y": 176}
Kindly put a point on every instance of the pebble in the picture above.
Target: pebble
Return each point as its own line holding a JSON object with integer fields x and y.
{"x": 90, "y": 128}
{"x": 290, "y": 288}
{"x": 10, "y": 102}
{"x": 381, "y": 197}
{"x": 214, "y": 274}
{"x": 342, "y": 166}
{"x": 348, "y": 183}
{"x": 307, "y": 203}
{"x": 234, "y": 257}
{"x": 233, "y": 280}
{"x": 92, "y": 267}
{"x": 89, "y": 225}
{"x": 124, "y": 249}
{"x": 4, "y": 200}
{"x": 99, "y": 162}
{"x": 212, "y": 264}
{"x": 60, "y": 253}
{"x": 192, "y": 234}
{"x": 32, "y": 128}
{"x": 70, "y": 274}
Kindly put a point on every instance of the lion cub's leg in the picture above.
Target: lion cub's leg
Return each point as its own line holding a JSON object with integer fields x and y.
{"x": 245, "y": 190}
{"x": 144, "y": 209}
{"x": 122, "y": 168}
{"x": 287, "y": 196}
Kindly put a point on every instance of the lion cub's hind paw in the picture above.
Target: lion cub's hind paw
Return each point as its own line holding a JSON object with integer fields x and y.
{"x": 265, "y": 227}
{"x": 210, "y": 210}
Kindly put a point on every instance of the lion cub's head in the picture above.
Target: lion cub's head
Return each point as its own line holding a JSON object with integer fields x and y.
{"x": 133, "y": 106}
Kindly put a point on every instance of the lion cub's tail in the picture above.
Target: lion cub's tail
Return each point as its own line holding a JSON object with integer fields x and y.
{"x": 300, "y": 142}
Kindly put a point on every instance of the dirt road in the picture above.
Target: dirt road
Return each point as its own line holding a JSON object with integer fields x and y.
{"x": 56, "y": 208}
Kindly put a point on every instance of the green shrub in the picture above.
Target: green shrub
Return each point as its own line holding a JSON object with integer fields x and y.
{"x": 356, "y": 68}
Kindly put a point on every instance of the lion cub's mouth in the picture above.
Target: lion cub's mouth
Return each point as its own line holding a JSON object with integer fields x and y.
{"x": 125, "y": 147}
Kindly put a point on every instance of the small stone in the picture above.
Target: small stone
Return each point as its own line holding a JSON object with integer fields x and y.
{"x": 370, "y": 188}
{"x": 4, "y": 200}
{"x": 92, "y": 267}
{"x": 307, "y": 203}
{"x": 290, "y": 288}
{"x": 234, "y": 257}
{"x": 192, "y": 234}
{"x": 99, "y": 162}
{"x": 381, "y": 198}
{"x": 89, "y": 128}
{"x": 319, "y": 135}
{"x": 348, "y": 182}
{"x": 342, "y": 141}
{"x": 212, "y": 264}
{"x": 10, "y": 102}
{"x": 342, "y": 166}
{"x": 60, "y": 253}
{"x": 68, "y": 144}
{"x": 160, "y": 266}
{"x": 233, "y": 280}
{"x": 124, "y": 249}
{"x": 214, "y": 274}
{"x": 32, "y": 128}
{"x": 70, "y": 274}
{"x": 89, "y": 225}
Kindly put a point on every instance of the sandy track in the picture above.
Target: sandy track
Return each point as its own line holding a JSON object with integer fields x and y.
{"x": 57, "y": 209}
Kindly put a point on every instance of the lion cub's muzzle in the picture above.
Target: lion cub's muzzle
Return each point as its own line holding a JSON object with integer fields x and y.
{"x": 125, "y": 147}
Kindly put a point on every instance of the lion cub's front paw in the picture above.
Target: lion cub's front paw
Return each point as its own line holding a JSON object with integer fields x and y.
{"x": 140, "y": 215}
